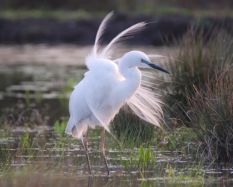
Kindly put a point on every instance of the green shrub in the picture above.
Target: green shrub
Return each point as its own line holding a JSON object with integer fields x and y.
{"x": 143, "y": 159}
{"x": 59, "y": 127}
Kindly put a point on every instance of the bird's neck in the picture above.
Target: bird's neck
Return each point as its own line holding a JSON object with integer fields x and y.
{"x": 132, "y": 79}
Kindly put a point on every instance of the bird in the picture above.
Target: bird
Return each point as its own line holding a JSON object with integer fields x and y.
{"x": 108, "y": 85}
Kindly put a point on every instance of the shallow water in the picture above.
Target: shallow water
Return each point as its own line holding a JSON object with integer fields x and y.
{"x": 54, "y": 159}
{"x": 36, "y": 81}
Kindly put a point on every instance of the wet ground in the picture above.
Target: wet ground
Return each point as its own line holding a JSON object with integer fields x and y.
{"x": 34, "y": 151}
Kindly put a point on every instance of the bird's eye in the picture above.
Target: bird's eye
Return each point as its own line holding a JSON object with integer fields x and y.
{"x": 143, "y": 61}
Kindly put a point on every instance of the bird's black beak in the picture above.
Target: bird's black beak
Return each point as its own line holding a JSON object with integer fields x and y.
{"x": 158, "y": 67}
{"x": 154, "y": 66}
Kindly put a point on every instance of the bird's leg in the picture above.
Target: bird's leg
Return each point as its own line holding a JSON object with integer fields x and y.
{"x": 102, "y": 148}
{"x": 85, "y": 143}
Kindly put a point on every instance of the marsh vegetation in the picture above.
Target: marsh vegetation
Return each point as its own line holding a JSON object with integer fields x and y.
{"x": 194, "y": 147}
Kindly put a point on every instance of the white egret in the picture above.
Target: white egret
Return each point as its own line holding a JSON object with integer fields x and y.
{"x": 108, "y": 85}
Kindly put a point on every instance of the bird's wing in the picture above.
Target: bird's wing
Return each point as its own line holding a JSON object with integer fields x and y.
{"x": 146, "y": 102}
{"x": 101, "y": 80}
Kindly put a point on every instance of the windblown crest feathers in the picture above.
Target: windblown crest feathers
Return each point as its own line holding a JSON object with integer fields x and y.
{"x": 101, "y": 31}
{"x": 117, "y": 39}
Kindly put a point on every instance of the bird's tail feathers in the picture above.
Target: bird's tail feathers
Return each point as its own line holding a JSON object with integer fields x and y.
{"x": 76, "y": 130}
{"x": 69, "y": 126}
{"x": 79, "y": 131}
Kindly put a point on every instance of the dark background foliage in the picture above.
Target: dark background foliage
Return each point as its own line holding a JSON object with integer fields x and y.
{"x": 105, "y": 5}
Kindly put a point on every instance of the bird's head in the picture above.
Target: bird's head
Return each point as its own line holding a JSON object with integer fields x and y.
{"x": 139, "y": 59}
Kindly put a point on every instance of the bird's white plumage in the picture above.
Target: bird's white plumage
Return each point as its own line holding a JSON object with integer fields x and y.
{"x": 109, "y": 84}
{"x": 101, "y": 81}
{"x": 89, "y": 102}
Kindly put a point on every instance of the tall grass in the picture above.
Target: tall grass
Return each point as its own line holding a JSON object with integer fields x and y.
{"x": 212, "y": 118}
{"x": 199, "y": 60}
{"x": 200, "y": 93}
